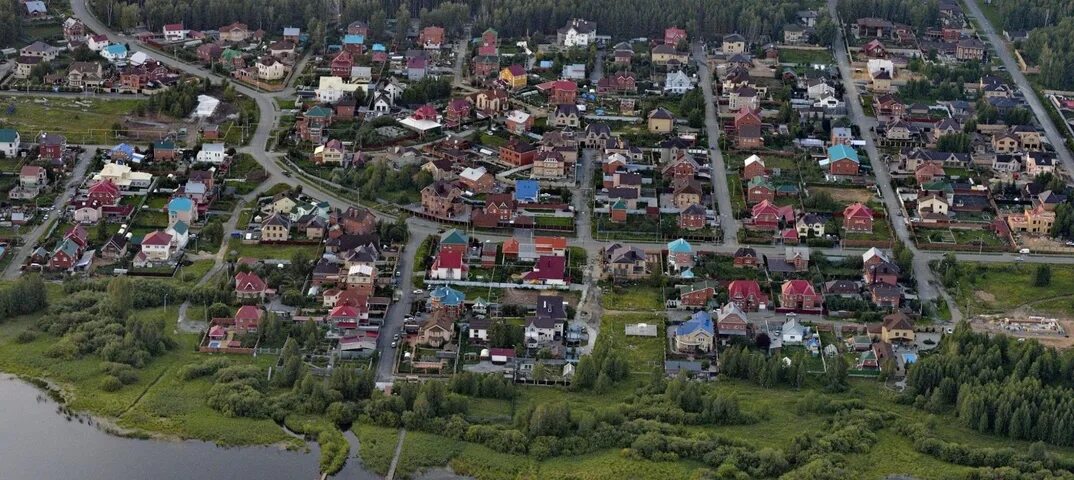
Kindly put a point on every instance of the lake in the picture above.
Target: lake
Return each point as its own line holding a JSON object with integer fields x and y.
{"x": 37, "y": 441}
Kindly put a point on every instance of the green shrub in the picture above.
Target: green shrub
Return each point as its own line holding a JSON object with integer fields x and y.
{"x": 111, "y": 384}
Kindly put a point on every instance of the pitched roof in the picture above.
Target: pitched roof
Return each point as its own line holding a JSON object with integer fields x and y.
{"x": 249, "y": 282}
{"x": 700, "y": 320}
{"x": 898, "y": 321}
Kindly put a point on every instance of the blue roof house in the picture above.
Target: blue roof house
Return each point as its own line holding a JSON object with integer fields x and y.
{"x": 696, "y": 334}
{"x": 181, "y": 210}
{"x": 446, "y": 296}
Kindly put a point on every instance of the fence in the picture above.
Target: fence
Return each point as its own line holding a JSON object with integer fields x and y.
{"x": 469, "y": 283}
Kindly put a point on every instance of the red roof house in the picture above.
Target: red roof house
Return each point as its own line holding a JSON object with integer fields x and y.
{"x": 858, "y": 218}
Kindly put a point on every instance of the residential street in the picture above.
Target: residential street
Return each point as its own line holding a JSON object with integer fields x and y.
{"x": 34, "y": 236}
{"x": 725, "y": 216}
{"x": 926, "y": 281}
{"x": 1039, "y": 110}
{"x": 393, "y": 321}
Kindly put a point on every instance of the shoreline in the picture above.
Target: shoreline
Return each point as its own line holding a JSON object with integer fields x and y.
{"x": 62, "y": 396}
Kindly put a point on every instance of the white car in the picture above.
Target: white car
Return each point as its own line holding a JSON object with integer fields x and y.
{"x": 419, "y": 291}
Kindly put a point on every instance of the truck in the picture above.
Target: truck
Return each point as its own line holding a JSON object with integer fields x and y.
{"x": 1024, "y": 251}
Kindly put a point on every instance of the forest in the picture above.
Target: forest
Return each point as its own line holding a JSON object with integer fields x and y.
{"x": 757, "y": 21}
{"x": 1030, "y": 14}
{"x": 916, "y": 13}
{"x": 997, "y": 385}
{"x": 1052, "y": 48}
{"x": 9, "y": 17}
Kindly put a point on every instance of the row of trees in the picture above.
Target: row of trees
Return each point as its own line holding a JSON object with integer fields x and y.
{"x": 1030, "y": 14}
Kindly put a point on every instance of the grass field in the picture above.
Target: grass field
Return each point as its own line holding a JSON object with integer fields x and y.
{"x": 636, "y": 298}
{"x": 81, "y": 121}
{"x": 277, "y": 252}
{"x": 643, "y": 353}
{"x": 376, "y": 445}
{"x": 821, "y": 57}
{"x": 998, "y": 287}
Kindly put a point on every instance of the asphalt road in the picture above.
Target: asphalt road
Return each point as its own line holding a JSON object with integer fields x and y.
{"x": 1054, "y": 136}
{"x": 34, "y": 236}
{"x": 393, "y": 320}
{"x": 725, "y": 214}
{"x": 922, "y": 273}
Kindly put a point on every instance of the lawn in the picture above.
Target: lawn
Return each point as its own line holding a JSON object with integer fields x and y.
{"x": 999, "y": 287}
{"x": 87, "y": 121}
{"x": 492, "y": 140}
{"x": 276, "y": 252}
{"x": 549, "y": 221}
{"x": 635, "y": 298}
{"x": 790, "y": 55}
{"x": 643, "y": 353}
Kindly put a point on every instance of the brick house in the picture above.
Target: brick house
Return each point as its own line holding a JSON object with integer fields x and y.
{"x": 692, "y": 217}
{"x": 800, "y": 295}
{"x": 858, "y": 218}
{"x": 518, "y": 152}
{"x": 747, "y": 295}
{"x": 439, "y": 199}
{"x": 842, "y": 160}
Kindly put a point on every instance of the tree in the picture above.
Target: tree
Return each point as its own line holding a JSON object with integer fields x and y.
{"x": 402, "y": 23}
{"x": 837, "y": 374}
{"x": 219, "y": 310}
{"x": 1042, "y": 277}
{"x": 213, "y": 232}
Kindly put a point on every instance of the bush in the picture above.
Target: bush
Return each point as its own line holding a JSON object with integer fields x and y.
{"x": 203, "y": 369}
{"x": 27, "y": 336}
{"x": 123, "y": 372}
{"x": 111, "y": 384}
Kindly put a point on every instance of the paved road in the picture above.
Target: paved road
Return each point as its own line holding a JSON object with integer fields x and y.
{"x": 1054, "y": 136}
{"x": 724, "y": 213}
{"x": 393, "y": 321}
{"x": 926, "y": 282}
{"x": 34, "y": 236}
{"x": 598, "y": 68}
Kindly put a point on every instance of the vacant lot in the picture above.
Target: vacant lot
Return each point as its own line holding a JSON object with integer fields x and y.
{"x": 643, "y": 353}
{"x": 845, "y": 195}
{"x": 81, "y": 121}
{"x": 632, "y": 299}
{"x": 1001, "y": 287}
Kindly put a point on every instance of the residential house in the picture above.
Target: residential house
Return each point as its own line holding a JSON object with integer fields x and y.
{"x": 625, "y": 262}
{"x": 858, "y": 218}
{"x": 696, "y": 334}
{"x": 249, "y": 285}
{"x": 661, "y": 121}
{"x": 440, "y": 199}
{"x": 518, "y": 152}
{"x": 677, "y": 83}
{"x": 897, "y": 328}
{"x": 513, "y": 76}
{"x": 549, "y": 270}
{"x": 693, "y": 217}
{"x": 747, "y": 295}
{"x": 743, "y": 98}
{"x": 746, "y": 257}
{"x": 680, "y": 256}
{"x": 842, "y": 160}
{"x": 329, "y": 153}
{"x": 519, "y": 122}
{"x": 769, "y": 216}
{"x": 800, "y": 295}
{"x": 276, "y": 228}
{"x": 438, "y": 329}
{"x": 734, "y": 43}
{"x": 431, "y": 37}
{"x": 566, "y": 115}
{"x": 760, "y": 189}
{"x": 10, "y": 140}
{"x": 577, "y": 33}
{"x": 731, "y": 321}
{"x": 810, "y": 225}
{"x": 156, "y": 247}
{"x": 235, "y": 33}
{"x": 697, "y": 295}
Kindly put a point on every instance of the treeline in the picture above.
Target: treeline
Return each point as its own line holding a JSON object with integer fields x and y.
{"x": 618, "y": 18}
{"x": 26, "y": 295}
{"x": 426, "y": 90}
{"x": 1052, "y": 48}
{"x": 269, "y": 15}
{"x": 995, "y": 384}
{"x": 9, "y": 18}
{"x": 1030, "y": 14}
{"x": 916, "y": 13}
